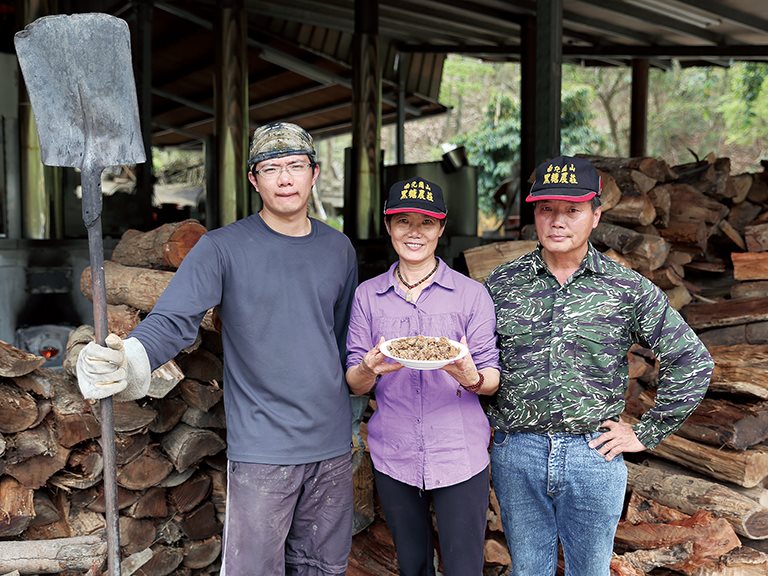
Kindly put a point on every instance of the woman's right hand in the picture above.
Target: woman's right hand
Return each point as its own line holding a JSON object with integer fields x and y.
{"x": 375, "y": 363}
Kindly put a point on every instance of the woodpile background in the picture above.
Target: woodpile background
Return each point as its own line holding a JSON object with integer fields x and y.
{"x": 696, "y": 505}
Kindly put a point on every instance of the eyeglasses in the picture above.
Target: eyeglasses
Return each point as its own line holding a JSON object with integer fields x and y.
{"x": 294, "y": 169}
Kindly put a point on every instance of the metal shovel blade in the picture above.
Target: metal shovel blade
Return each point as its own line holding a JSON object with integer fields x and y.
{"x": 78, "y": 72}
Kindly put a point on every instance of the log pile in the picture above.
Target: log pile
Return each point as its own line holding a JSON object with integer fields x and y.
{"x": 698, "y": 503}
{"x": 170, "y": 445}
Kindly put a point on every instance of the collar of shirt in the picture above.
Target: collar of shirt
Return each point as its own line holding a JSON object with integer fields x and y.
{"x": 591, "y": 262}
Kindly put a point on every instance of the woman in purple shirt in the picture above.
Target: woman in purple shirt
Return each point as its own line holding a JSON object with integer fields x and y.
{"x": 429, "y": 436}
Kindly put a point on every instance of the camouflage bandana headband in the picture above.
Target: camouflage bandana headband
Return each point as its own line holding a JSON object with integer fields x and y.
{"x": 280, "y": 139}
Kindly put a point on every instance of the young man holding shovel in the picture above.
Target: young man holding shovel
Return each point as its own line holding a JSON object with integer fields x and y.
{"x": 283, "y": 284}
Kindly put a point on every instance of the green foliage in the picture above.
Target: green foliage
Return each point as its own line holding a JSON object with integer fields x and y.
{"x": 494, "y": 147}
{"x": 745, "y": 106}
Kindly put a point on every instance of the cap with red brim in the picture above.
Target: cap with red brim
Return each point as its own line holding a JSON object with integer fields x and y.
{"x": 565, "y": 178}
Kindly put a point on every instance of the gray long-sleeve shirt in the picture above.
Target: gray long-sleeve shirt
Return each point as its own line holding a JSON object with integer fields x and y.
{"x": 284, "y": 304}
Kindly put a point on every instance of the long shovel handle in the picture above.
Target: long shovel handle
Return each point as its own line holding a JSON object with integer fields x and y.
{"x": 91, "y": 182}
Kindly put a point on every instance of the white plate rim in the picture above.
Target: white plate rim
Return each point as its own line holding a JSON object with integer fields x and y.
{"x": 424, "y": 364}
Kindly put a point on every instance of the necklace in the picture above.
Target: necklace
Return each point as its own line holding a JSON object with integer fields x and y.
{"x": 408, "y": 295}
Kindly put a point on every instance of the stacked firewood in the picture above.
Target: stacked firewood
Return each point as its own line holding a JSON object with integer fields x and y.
{"x": 698, "y": 503}
{"x": 171, "y": 470}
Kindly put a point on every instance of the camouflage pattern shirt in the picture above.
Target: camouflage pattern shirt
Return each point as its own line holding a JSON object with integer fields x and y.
{"x": 564, "y": 365}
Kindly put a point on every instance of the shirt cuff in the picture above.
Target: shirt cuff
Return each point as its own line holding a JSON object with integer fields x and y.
{"x": 650, "y": 434}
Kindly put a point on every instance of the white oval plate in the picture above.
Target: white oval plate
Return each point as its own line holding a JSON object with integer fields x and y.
{"x": 423, "y": 364}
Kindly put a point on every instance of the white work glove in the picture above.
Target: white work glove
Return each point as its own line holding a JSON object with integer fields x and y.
{"x": 120, "y": 369}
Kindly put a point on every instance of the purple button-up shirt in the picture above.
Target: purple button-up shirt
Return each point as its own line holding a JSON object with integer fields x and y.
{"x": 423, "y": 432}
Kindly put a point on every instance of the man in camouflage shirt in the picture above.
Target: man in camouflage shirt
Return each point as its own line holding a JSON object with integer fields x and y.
{"x": 566, "y": 317}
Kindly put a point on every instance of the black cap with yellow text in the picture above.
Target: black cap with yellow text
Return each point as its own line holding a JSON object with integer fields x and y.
{"x": 565, "y": 178}
{"x": 416, "y": 195}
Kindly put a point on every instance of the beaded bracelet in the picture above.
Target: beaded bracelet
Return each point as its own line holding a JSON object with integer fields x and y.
{"x": 478, "y": 385}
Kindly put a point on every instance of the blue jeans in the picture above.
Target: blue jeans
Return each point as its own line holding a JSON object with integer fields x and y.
{"x": 554, "y": 486}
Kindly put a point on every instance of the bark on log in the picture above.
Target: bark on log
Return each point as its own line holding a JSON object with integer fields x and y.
{"x": 136, "y": 287}
{"x": 743, "y": 561}
{"x": 746, "y": 468}
{"x": 740, "y": 369}
{"x": 711, "y": 538}
{"x": 641, "y": 562}
{"x": 756, "y": 289}
{"x": 689, "y": 495}
{"x": 753, "y": 333}
{"x": 163, "y": 247}
{"x": 727, "y": 313}
{"x": 654, "y": 168}
{"x": 121, "y": 319}
{"x": 79, "y": 553}
{"x": 718, "y": 422}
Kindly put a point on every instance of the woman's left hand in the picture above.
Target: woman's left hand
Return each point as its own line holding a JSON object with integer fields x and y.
{"x": 463, "y": 370}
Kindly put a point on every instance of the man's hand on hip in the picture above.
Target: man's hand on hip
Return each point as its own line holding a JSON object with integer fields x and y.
{"x": 620, "y": 437}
